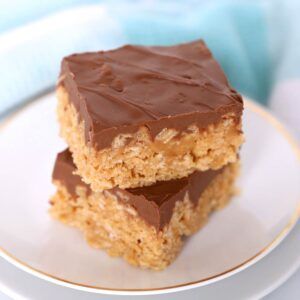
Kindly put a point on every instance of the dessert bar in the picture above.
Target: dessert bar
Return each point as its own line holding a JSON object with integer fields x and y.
{"x": 137, "y": 115}
{"x": 144, "y": 225}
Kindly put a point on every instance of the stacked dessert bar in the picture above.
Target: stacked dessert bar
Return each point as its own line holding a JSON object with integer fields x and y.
{"x": 153, "y": 136}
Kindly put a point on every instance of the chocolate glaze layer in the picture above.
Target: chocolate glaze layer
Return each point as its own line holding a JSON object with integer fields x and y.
{"x": 153, "y": 203}
{"x": 63, "y": 172}
{"x": 119, "y": 91}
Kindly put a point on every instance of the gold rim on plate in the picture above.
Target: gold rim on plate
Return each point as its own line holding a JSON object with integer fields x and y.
{"x": 257, "y": 108}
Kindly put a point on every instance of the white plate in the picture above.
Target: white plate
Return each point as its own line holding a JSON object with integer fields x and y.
{"x": 253, "y": 283}
{"x": 250, "y": 227}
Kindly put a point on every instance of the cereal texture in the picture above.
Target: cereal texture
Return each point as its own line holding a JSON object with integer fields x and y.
{"x": 117, "y": 228}
{"x": 142, "y": 161}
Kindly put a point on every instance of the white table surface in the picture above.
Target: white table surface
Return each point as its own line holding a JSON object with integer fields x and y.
{"x": 289, "y": 290}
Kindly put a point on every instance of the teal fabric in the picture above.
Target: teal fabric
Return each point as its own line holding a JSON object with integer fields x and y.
{"x": 235, "y": 31}
{"x": 256, "y": 42}
{"x": 14, "y": 13}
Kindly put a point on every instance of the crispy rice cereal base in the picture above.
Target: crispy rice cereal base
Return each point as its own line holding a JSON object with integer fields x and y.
{"x": 115, "y": 227}
{"x": 143, "y": 161}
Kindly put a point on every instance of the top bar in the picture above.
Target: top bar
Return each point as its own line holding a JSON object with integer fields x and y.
{"x": 170, "y": 109}
{"x": 118, "y": 91}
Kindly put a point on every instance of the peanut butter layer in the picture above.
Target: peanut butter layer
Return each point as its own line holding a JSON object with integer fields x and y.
{"x": 119, "y": 91}
{"x": 153, "y": 203}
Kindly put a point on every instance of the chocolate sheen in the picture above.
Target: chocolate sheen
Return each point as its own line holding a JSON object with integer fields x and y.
{"x": 119, "y": 91}
{"x": 153, "y": 203}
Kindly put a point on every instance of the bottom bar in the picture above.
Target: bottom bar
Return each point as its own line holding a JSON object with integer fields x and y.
{"x": 144, "y": 225}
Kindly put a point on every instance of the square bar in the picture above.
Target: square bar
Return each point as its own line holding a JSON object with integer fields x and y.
{"x": 145, "y": 225}
{"x": 137, "y": 115}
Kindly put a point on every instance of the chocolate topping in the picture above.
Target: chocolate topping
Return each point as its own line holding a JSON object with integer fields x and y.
{"x": 63, "y": 172}
{"x": 121, "y": 90}
{"x": 153, "y": 203}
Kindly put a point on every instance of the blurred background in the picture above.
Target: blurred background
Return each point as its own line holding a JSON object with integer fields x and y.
{"x": 256, "y": 42}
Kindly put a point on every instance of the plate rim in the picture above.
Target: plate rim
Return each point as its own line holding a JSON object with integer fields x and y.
{"x": 264, "y": 291}
{"x": 254, "y": 107}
